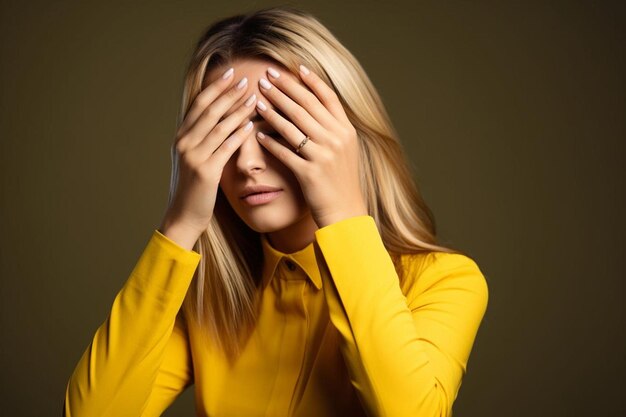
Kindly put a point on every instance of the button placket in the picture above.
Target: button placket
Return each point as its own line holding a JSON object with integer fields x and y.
{"x": 290, "y": 304}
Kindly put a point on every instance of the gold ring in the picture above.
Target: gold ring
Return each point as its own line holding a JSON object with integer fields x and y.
{"x": 304, "y": 141}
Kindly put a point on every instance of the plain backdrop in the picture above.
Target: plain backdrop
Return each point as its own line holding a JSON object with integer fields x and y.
{"x": 512, "y": 117}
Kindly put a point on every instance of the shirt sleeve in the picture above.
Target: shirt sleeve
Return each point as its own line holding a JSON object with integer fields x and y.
{"x": 406, "y": 355}
{"x": 139, "y": 360}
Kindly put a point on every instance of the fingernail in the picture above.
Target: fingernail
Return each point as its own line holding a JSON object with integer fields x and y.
{"x": 261, "y": 105}
{"x": 260, "y": 135}
{"x": 250, "y": 100}
{"x": 265, "y": 84}
{"x": 304, "y": 70}
{"x": 248, "y": 126}
{"x": 242, "y": 83}
{"x": 273, "y": 72}
{"x": 228, "y": 73}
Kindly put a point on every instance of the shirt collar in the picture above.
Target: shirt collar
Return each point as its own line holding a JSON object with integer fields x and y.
{"x": 305, "y": 258}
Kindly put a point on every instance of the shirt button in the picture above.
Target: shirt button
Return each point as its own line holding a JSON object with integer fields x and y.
{"x": 291, "y": 265}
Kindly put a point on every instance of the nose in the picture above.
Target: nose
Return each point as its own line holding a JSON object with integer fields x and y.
{"x": 251, "y": 156}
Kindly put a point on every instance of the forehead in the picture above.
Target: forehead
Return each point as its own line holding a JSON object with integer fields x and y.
{"x": 252, "y": 68}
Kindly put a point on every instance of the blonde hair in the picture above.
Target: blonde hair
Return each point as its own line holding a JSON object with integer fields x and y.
{"x": 222, "y": 297}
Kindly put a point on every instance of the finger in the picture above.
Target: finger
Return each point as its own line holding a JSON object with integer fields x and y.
{"x": 301, "y": 95}
{"x": 324, "y": 93}
{"x": 224, "y": 128}
{"x": 292, "y": 134}
{"x": 206, "y": 97}
{"x": 294, "y": 114}
{"x": 219, "y": 158}
{"x": 295, "y": 162}
{"x": 212, "y": 114}
{"x": 306, "y": 153}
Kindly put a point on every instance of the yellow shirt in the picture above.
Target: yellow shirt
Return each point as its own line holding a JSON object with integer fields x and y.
{"x": 337, "y": 335}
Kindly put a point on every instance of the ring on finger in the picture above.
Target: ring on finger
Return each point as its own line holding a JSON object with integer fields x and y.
{"x": 304, "y": 141}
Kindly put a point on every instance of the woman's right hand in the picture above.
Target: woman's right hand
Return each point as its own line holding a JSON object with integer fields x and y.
{"x": 204, "y": 145}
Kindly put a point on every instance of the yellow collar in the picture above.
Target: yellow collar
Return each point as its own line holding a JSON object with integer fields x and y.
{"x": 305, "y": 258}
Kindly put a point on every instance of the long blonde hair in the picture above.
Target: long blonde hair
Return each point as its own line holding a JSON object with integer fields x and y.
{"x": 222, "y": 296}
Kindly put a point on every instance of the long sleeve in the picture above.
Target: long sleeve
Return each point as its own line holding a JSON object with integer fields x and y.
{"x": 138, "y": 360}
{"x": 406, "y": 355}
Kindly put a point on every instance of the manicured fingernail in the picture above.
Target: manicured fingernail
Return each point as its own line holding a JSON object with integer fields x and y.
{"x": 242, "y": 83}
{"x": 304, "y": 70}
{"x": 250, "y": 100}
{"x": 248, "y": 126}
{"x": 260, "y": 135}
{"x": 261, "y": 105}
{"x": 228, "y": 73}
{"x": 273, "y": 72}
{"x": 265, "y": 84}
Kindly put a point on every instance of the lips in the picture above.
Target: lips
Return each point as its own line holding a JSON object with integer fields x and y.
{"x": 262, "y": 198}
{"x": 257, "y": 189}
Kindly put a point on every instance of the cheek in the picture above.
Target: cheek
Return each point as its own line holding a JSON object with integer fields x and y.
{"x": 283, "y": 170}
{"x": 226, "y": 180}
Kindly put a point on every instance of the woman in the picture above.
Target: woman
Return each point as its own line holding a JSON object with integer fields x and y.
{"x": 296, "y": 270}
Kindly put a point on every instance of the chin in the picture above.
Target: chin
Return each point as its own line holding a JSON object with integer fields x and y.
{"x": 268, "y": 221}
{"x": 272, "y": 217}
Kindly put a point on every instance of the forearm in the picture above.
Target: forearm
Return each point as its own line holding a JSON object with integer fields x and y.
{"x": 118, "y": 368}
{"x": 406, "y": 354}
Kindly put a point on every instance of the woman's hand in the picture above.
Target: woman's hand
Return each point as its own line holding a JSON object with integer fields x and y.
{"x": 205, "y": 144}
{"x": 327, "y": 166}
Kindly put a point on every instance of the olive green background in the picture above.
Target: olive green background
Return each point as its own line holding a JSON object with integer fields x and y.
{"x": 512, "y": 115}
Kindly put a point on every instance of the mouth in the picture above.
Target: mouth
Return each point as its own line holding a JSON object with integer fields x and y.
{"x": 261, "y": 197}
{"x": 258, "y": 193}
{"x": 258, "y": 189}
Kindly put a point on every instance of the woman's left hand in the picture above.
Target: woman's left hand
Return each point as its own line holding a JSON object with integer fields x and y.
{"x": 327, "y": 166}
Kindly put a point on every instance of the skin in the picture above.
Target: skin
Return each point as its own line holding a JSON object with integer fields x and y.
{"x": 327, "y": 168}
{"x": 295, "y": 106}
{"x": 287, "y": 220}
{"x": 320, "y": 185}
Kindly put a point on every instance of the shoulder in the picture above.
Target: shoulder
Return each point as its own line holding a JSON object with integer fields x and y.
{"x": 437, "y": 261}
{"x": 437, "y": 274}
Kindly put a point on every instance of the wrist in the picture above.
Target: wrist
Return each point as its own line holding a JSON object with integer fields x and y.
{"x": 180, "y": 233}
{"x": 337, "y": 217}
